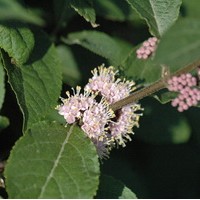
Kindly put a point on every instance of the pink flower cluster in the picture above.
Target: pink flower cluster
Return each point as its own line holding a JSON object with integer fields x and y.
{"x": 148, "y": 47}
{"x": 188, "y": 93}
{"x": 74, "y": 105}
{"x": 105, "y": 83}
{"x": 105, "y": 128}
{"x": 126, "y": 120}
{"x": 113, "y": 90}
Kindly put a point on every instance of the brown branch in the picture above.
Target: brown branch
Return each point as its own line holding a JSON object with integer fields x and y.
{"x": 151, "y": 89}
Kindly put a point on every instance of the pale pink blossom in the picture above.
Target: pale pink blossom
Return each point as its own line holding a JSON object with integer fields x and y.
{"x": 95, "y": 119}
{"x": 104, "y": 82}
{"x": 188, "y": 93}
{"x": 121, "y": 129}
{"x": 147, "y": 49}
{"x": 73, "y": 106}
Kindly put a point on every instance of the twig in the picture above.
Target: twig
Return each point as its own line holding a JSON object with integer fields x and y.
{"x": 151, "y": 89}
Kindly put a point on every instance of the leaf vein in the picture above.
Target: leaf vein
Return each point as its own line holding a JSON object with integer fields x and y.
{"x": 56, "y": 162}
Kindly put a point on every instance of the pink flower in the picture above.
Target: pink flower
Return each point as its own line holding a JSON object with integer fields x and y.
{"x": 148, "y": 47}
{"x": 105, "y": 128}
{"x": 106, "y": 84}
{"x": 188, "y": 93}
{"x": 95, "y": 119}
{"x": 72, "y": 107}
{"x": 103, "y": 147}
{"x": 114, "y": 89}
{"x": 125, "y": 121}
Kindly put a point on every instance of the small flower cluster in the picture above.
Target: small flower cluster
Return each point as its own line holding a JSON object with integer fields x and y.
{"x": 188, "y": 93}
{"x": 105, "y": 128}
{"x": 105, "y": 84}
{"x": 148, "y": 47}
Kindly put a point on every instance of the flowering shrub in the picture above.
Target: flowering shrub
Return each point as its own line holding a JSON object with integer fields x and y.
{"x": 73, "y": 127}
{"x": 97, "y": 120}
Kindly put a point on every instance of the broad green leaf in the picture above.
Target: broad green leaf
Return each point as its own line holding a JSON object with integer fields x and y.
{"x": 180, "y": 45}
{"x": 12, "y": 10}
{"x": 52, "y": 161}
{"x": 141, "y": 71}
{"x": 2, "y": 85}
{"x": 159, "y": 14}
{"x": 155, "y": 130}
{"x": 37, "y": 83}
{"x": 111, "y": 188}
{"x": 18, "y": 42}
{"x": 99, "y": 43}
{"x": 85, "y": 9}
{"x": 71, "y": 73}
{"x": 4, "y": 122}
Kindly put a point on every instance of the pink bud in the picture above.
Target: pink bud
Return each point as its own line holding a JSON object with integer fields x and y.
{"x": 185, "y": 107}
{"x": 180, "y": 109}
{"x": 146, "y": 44}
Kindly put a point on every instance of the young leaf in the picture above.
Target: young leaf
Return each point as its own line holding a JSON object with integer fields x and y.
{"x": 2, "y": 85}
{"x": 180, "y": 45}
{"x": 18, "y": 42}
{"x": 37, "y": 83}
{"x": 99, "y": 43}
{"x": 52, "y": 161}
{"x": 159, "y": 14}
{"x": 85, "y": 9}
{"x": 12, "y": 10}
{"x": 165, "y": 96}
{"x": 111, "y": 188}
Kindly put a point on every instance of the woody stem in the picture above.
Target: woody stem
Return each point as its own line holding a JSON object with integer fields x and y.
{"x": 151, "y": 89}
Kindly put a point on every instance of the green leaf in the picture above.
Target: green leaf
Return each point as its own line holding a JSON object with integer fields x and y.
{"x": 85, "y": 9}
{"x": 155, "y": 130}
{"x": 191, "y": 8}
{"x": 62, "y": 14}
{"x": 141, "y": 71}
{"x": 2, "y": 85}
{"x": 37, "y": 83}
{"x": 4, "y": 122}
{"x": 12, "y": 10}
{"x": 18, "y": 42}
{"x": 71, "y": 73}
{"x": 180, "y": 45}
{"x": 53, "y": 161}
{"x": 159, "y": 14}
{"x": 111, "y": 188}
{"x": 99, "y": 43}
{"x": 115, "y": 10}
{"x": 164, "y": 96}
